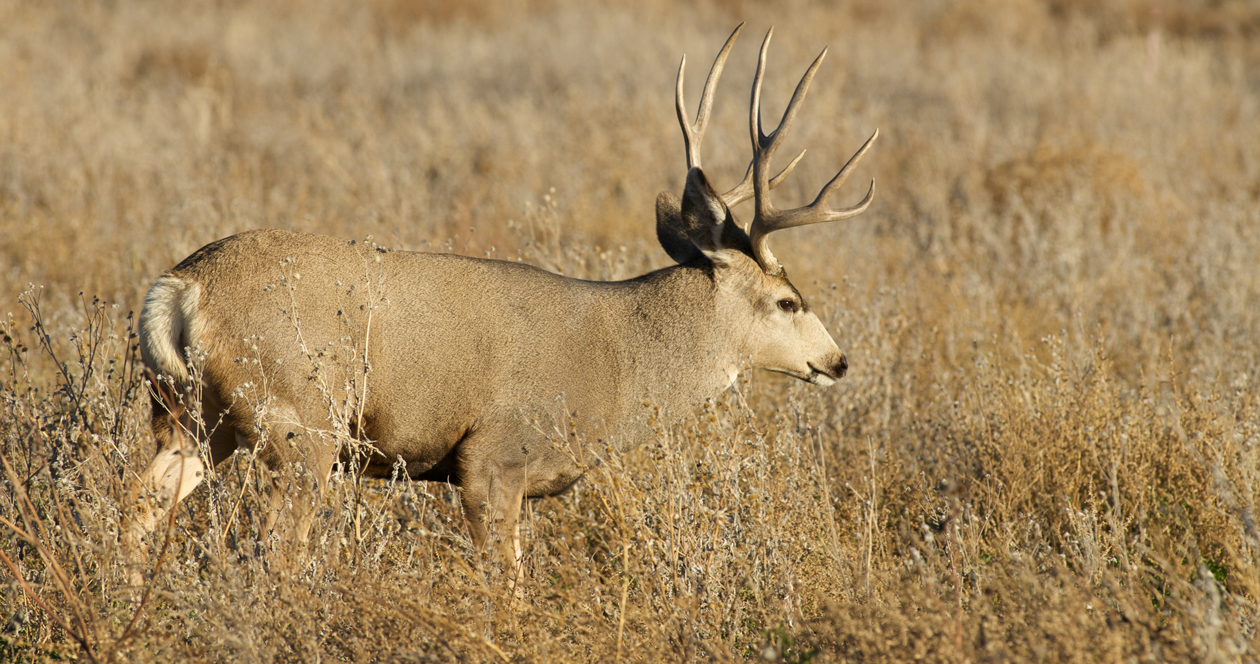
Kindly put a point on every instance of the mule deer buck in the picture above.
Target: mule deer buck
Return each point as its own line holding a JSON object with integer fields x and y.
{"x": 484, "y": 373}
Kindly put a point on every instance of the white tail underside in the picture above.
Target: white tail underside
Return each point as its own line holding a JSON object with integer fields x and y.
{"x": 169, "y": 324}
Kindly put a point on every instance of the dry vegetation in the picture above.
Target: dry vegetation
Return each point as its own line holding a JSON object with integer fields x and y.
{"x": 1047, "y": 449}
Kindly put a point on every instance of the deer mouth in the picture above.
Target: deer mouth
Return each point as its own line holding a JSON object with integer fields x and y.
{"x": 814, "y": 375}
{"x": 819, "y": 377}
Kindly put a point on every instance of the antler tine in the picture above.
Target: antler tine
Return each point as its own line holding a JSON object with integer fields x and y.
{"x": 765, "y": 146}
{"x": 767, "y": 218}
{"x": 814, "y": 213}
{"x": 744, "y": 190}
{"x": 694, "y": 134}
{"x": 817, "y": 212}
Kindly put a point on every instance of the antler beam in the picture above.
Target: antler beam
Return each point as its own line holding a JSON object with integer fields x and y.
{"x": 768, "y": 218}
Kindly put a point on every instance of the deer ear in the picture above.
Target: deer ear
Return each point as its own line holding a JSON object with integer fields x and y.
{"x": 699, "y": 224}
{"x": 669, "y": 231}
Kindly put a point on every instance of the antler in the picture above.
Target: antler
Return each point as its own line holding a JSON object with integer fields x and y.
{"x": 769, "y": 219}
{"x": 693, "y": 134}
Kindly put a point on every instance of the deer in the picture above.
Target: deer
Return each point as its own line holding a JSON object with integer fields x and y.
{"x": 487, "y": 374}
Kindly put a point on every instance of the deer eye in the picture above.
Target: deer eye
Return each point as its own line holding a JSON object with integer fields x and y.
{"x": 788, "y": 306}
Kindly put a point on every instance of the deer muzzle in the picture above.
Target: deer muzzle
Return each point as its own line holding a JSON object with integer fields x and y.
{"x": 828, "y": 372}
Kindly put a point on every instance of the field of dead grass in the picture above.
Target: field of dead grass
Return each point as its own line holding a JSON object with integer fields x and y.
{"x": 1047, "y": 447}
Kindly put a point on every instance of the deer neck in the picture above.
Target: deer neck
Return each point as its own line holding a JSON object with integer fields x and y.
{"x": 688, "y": 337}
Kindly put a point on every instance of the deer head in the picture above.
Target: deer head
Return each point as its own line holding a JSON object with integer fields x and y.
{"x": 785, "y": 334}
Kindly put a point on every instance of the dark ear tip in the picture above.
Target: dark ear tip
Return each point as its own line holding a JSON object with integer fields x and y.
{"x": 697, "y": 178}
{"x": 700, "y": 194}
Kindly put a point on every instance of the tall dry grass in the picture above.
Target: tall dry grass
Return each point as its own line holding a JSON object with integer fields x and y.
{"x": 1046, "y": 449}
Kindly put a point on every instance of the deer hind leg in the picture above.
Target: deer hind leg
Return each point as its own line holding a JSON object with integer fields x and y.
{"x": 299, "y": 463}
{"x": 492, "y": 493}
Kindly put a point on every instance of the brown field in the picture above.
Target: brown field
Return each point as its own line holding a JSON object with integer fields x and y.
{"x": 1047, "y": 447}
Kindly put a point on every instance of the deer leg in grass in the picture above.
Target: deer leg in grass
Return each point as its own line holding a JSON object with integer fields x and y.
{"x": 509, "y": 493}
{"x": 300, "y": 463}
{"x": 295, "y": 491}
{"x": 491, "y": 495}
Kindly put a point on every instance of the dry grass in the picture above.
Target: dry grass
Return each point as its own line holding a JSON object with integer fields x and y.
{"x": 1047, "y": 449}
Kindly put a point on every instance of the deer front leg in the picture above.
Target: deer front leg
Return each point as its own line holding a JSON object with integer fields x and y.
{"x": 295, "y": 492}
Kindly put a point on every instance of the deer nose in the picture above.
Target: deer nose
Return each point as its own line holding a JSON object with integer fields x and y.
{"x": 842, "y": 367}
